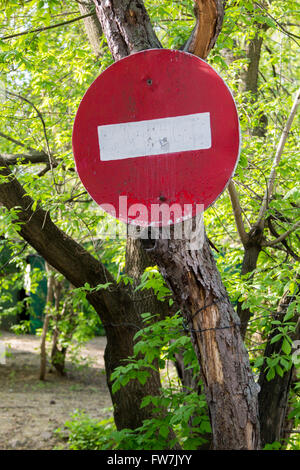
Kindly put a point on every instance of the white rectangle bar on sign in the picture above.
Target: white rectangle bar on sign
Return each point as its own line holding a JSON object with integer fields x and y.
{"x": 2, "y": 353}
{"x": 154, "y": 137}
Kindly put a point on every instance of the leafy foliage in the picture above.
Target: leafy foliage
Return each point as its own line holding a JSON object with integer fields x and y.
{"x": 44, "y": 75}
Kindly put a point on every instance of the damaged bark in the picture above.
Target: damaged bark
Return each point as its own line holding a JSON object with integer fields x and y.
{"x": 192, "y": 276}
{"x": 229, "y": 384}
{"x": 209, "y": 19}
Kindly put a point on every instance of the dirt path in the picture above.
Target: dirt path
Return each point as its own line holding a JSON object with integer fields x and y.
{"x": 31, "y": 410}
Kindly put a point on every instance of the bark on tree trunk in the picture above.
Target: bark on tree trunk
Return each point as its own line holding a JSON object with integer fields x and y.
{"x": 192, "y": 276}
{"x": 126, "y": 26}
{"x": 252, "y": 249}
{"x": 49, "y": 300}
{"x": 229, "y": 385}
{"x": 58, "y": 355}
{"x": 92, "y": 26}
{"x": 274, "y": 394}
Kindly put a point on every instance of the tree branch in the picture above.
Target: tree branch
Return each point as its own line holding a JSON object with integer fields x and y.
{"x": 285, "y": 31}
{"x": 45, "y": 28}
{"x": 17, "y": 142}
{"x": 37, "y": 157}
{"x": 237, "y": 211}
{"x": 33, "y": 156}
{"x": 56, "y": 247}
{"x": 26, "y": 100}
{"x": 282, "y": 237}
{"x": 286, "y": 248}
{"x": 92, "y": 26}
{"x": 209, "y": 19}
{"x": 276, "y": 161}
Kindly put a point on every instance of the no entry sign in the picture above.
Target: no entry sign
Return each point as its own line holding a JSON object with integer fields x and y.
{"x": 158, "y": 128}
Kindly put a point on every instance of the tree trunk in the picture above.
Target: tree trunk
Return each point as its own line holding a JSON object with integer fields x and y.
{"x": 192, "y": 276}
{"x": 92, "y": 26}
{"x": 252, "y": 249}
{"x": 188, "y": 379}
{"x": 49, "y": 300}
{"x": 190, "y": 383}
{"x": 289, "y": 422}
{"x": 58, "y": 355}
{"x": 209, "y": 19}
{"x": 228, "y": 380}
{"x": 249, "y": 265}
{"x": 114, "y": 305}
{"x": 249, "y": 77}
{"x": 274, "y": 394}
{"x": 126, "y": 26}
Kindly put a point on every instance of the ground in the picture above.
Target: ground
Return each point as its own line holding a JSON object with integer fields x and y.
{"x": 31, "y": 410}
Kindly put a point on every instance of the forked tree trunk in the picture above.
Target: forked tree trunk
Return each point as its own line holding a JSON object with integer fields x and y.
{"x": 193, "y": 277}
{"x": 252, "y": 250}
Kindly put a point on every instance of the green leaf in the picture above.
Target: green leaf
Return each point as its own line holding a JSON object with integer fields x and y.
{"x": 286, "y": 347}
{"x": 271, "y": 374}
{"x": 279, "y": 370}
{"x": 276, "y": 338}
{"x": 142, "y": 377}
{"x": 164, "y": 431}
{"x": 259, "y": 362}
{"x": 146, "y": 401}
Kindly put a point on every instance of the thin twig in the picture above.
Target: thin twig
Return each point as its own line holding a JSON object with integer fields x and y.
{"x": 276, "y": 161}
{"x": 237, "y": 211}
{"x": 283, "y": 236}
{"x": 17, "y": 142}
{"x": 26, "y": 100}
{"x": 45, "y": 28}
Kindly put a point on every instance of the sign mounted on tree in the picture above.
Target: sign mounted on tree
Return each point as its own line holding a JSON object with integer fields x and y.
{"x": 157, "y": 128}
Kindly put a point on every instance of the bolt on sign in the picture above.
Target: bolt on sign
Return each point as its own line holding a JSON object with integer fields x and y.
{"x": 158, "y": 127}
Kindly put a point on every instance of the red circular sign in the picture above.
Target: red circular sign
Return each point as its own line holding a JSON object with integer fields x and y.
{"x": 157, "y": 128}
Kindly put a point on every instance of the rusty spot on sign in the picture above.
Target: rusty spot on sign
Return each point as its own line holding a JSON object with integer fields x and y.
{"x": 206, "y": 320}
{"x": 206, "y": 15}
